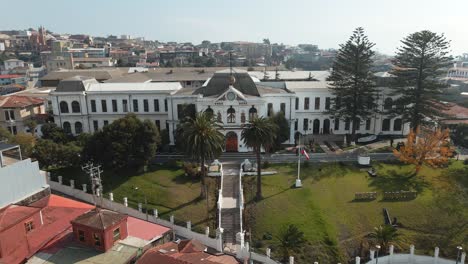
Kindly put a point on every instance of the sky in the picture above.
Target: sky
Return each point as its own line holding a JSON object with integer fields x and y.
{"x": 326, "y": 23}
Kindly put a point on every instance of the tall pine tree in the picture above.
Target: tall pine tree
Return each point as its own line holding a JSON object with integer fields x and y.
{"x": 419, "y": 62}
{"x": 352, "y": 82}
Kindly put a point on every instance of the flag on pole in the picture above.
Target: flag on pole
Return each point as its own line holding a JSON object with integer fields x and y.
{"x": 305, "y": 154}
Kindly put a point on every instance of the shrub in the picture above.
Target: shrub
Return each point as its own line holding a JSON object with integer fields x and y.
{"x": 465, "y": 162}
{"x": 191, "y": 169}
{"x": 266, "y": 164}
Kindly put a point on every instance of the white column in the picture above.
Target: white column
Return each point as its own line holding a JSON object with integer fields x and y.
{"x": 84, "y": 187}
{"x": 372, "y": 254}
{"x": 72, "y": 184}
{"x": 155, "y": 213}
{"x": 207, "y": 231}
{"x": 219, "y": 239}
{"x": 392, "y": 248}
{"x": 171, "y": 218}
{"x": 291, "y": 260}
{"x": 436, "y": 254}
{"x": 463, "y": 257}
{"x": 140, "y": 207}
{"x": 48, "y": 175}
{"x": 358, "y": 260}
{"x": 268, "y": 252}
{"x": 189, "y": 225}
{"x": 412, "y": 250}
{"x": 60, "y": 179}
{"x": 125, "y": 199}
{"x": 111, "y": 197}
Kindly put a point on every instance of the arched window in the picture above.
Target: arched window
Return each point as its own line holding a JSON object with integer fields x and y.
{"x": 397, "y": 124}
{"x": 231, "y": 115}
{"x": 67, "y": 127}
{"x": 78, "y": 128}
{"x": 75, "y": 107}
{"x": 63, "y": 107}
{"x": 242, "y": 117}
{"x": 252, "y": 113}
{"x": 270, "y": 109}
{"x": 209, "y": 112}
{"x": 388, "y": 103}
{"x": 219, "y": 117}
{"x": 386, "y": 125}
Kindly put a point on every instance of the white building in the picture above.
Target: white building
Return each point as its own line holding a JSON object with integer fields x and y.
{"x": 13, "y": 63}
{"x": 81, "y": 104}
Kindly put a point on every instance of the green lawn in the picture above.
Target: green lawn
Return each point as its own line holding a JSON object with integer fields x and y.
{"x": 325, "y": 210}
{"x": 166, "y": 188}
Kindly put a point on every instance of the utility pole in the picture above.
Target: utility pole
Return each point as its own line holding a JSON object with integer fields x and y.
{"x": 94, "y": 172}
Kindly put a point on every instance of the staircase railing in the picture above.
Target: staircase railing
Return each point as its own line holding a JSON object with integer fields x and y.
{"x": 220, "y": 196}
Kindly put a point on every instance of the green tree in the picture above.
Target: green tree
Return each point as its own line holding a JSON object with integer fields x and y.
{"x": 126, "y": 142}
{"x": 290, "y": 64}
{"x": 258, "y": 134}
{"x": 419, "y": 62}
{"x": 26, "y": 143}
{"x": 53, "y": 132}
{"x": 56, "y": 155}
{"x": 291, "y": 240}
{"x": 352, "y": 82}
{"x": 283, "y": 129}
{"x": 31, "y": 124}
{"x": 384, "y": 235}
{"x": 202, "y": 141}
{"x": 5, "y": 135}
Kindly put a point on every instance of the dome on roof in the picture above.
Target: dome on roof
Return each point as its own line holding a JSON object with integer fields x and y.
{"x": 75, "y": 84}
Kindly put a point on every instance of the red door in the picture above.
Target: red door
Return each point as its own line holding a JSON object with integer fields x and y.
{"x": 231, "y": 142}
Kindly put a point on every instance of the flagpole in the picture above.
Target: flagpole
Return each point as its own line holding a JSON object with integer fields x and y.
{"x": 298, "y": 180}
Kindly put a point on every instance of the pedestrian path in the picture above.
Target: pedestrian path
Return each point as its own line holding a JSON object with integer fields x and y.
{"x": 230, "y": 212}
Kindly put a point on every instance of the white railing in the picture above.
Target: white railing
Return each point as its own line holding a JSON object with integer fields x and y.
{"x": 220, "y": 196}
{"x": 241, "y": 198}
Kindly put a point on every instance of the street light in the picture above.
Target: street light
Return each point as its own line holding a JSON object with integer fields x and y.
{"x": 459, "y": 249}
{"x": 377, "y": 258}
{"x": 146, "y": 202}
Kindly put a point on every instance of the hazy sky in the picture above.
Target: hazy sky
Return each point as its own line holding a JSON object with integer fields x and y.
{"x": 326, "y": 23}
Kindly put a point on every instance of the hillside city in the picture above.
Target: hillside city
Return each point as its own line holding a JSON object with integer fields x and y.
{"x": 121, "y": 149}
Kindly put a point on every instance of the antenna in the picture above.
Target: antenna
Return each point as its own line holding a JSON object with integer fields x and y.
{"x": 94, "y": 172}
{"x": 230, "y": 62}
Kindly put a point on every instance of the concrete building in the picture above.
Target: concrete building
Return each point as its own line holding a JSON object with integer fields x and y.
{"x": 16, "y": 110}
{"x": 83, "y": 105}
{"x": 13, "y": 63}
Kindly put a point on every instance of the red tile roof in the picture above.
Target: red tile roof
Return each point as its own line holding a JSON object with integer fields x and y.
{"x": 17, "y": 101}
{"x": 186, "y": 252}
{"x": 9, "y": 76}
{"x": 145, "y": 230}
{"x": 455, "y": 111}
{"x": 100, "y": 219}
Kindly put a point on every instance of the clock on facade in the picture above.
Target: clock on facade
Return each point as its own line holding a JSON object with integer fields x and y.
{"x": 231, "y": 96}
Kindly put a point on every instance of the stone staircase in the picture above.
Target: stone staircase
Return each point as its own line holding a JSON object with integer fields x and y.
{"x": 230, "y": 221}
{"x": 230, "y": 214}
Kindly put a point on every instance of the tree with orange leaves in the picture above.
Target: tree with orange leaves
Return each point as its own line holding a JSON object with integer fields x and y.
{"x": 425, "y": 146}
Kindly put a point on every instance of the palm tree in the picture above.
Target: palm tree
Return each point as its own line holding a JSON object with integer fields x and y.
{"x": 384, "y": 235}
{"x": 291, "y": 239}
{"x": 257, "y": 134}
{"x": 202, "y": 141}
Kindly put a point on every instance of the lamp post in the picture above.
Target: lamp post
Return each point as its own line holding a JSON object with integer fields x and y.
{"x": 459, "y": 249}
{"x": 377, "y": 258}
{"x": 146, "y": 202}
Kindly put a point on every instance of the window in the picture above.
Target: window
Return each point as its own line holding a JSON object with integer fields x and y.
{"x": 219, "y": 118}
{"x": 116, "y": 234}
{"x": 93, "y": 106}
{"x": 337, "y": 124}
{"x": 231, "y": 115}
{"x": 158, "y": 125}
{"x": 306, "y": 103}
{"x": 167, "y": 126}
{"x": 29, "y": 226}
{"x": 106, "y": 122}
{"x": 114, "y": 106}
{"x": 209, "y": 112}
{"x": 135, "y": 105}
{"x": 296, "y": 124}
{"x": 95, "y": 125}
{"x": 63, "y": 107}
{"x": 12, "y": 129}
{"x": 125, "y": 105}
{"x": 242, "y": 117}
{"x": 104, "y": 106}
{"x": 75, "y": 107}
{"x": 81, "y": 235}
{"x": 317, "y": 103}
{"x": 145, "y": 105}
{"x": 388, "y": 103}
{"x": 327, "y": 103}
{"x": 357, "y": 124}
{"x": 270, "y": 109}
{"x": 9, "y": 115}
{"x": 338, "y": 102}
{"x": 97, "y": 239}
{"x": 346, "y": 126}
{"x": 67, "y": 127}
{"x": 252, "y": 113}
{"x": 386, "y": 124}
{"x": 156, "y": 105}
{"x": 297, "y": 103}
{"x": 397, "y": 125}
{"x": 305, "y": 124}
{"x": 368, "y": 123}
{"x": 165, "y": 105}
{"x": 78, "y": 128}
{"x": 283, "y": 108}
